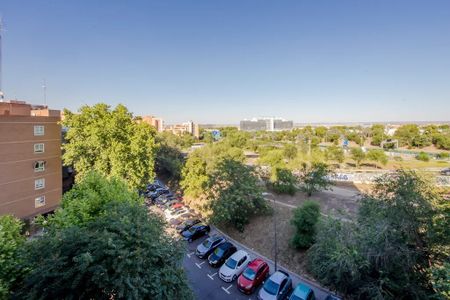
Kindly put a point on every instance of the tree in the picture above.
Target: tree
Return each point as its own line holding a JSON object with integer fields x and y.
{"x": 169, "y": 161}
{"x": 315, "y": 178}
{"x": 290, "y": 151}
{"x": 87, "y": 200}
{"x": 358, "y": 155}
{"x": 123, "y": 254}
{"x": 283, "y": 181}
{"x": 377, "y": 155}
{"x": 304, "y": 220}
{"x": 234, "y": 194}
{"x": 377, "y": 133}
{"x": 335, "y": 153}
{"x": 272, "y": 158}
{"x": 386, "y": 253}
{"x": 11, "y": 240}
{"x": 406, "y": 134}
{"x": 110, "y": 142}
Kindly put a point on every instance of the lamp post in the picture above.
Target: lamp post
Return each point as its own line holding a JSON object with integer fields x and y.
{"x": 275, "y": 235}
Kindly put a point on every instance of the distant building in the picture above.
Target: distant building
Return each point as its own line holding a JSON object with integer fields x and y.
{"x": 158, "y": 123}
{"x": 187, "y": 127}
{"x": 30, "y": 159}
{"x": 267, "y": 124}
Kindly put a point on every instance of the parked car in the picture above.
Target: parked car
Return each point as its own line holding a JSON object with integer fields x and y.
{"x": 255, "y": 273}
{"x": 445, "y": 172}
{"x": 177, "y": 205}
{"x": 187, "y": 224}
{"x": 175, "y": 213}
{"x": 234, "y": 266}
{"x": 276, "y": 287}
{"x": 204, "y": 249}
{"x": 220, "y": 254}
{"x": 196, "y": 231}
{"x": 158, "y": 192}
{"x": 175, "y": 222}
{"x": 302, "y": 292}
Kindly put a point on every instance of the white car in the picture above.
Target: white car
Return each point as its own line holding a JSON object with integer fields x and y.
{"x": 234, "y": 266}
{"x": 175, "y": 213}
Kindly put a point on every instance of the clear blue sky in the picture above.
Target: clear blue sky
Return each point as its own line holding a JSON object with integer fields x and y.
{"x": 221, "y": 61}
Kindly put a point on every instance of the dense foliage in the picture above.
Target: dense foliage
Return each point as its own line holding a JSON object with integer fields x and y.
{"x": 283, "y": 181}
{"x": 111, "y": 142}
{"x": 377, "y": 156}
{"x": 304, "y": 220}
{"x": 122, "y": 254}
{"x": 101, "y": 244}
{"x": 87, "y": 200}
{"x": 315, "y": 177}
{"x": 169, "y": 158}
{"x": 401, "y": 227}
{"x": 11, "y": 241}
{"x": 234, "y": 195}
{"x": 357, "y": 155}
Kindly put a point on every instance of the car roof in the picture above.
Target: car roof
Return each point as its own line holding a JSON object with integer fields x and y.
{"x": 302, "y": 290}
{"x": 198, "y": 225}
{"x": 226, "y": 245}
{"x": 277, "y": 277}
{"x": 256, "y": 263}
{"x": 215, "y": 238}
{"x": 239, "y": 254}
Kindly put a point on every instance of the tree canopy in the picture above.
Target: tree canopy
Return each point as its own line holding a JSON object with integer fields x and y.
{"x": 111, "y": 142}
{"x": 314, "y": 177}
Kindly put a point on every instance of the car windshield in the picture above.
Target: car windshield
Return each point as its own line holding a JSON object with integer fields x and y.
{"x": 271, "y": 287}
{"x": 219, "y": 251}
{"x": 249, "y": 274}
{"x": 207, "y": 243}
{"x": 295, "y": 297}
{"x": 193, "y": 229}
{"x": 231, "y": 263}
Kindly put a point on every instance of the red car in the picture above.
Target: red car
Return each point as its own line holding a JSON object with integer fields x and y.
{"x": 257, "y": 270}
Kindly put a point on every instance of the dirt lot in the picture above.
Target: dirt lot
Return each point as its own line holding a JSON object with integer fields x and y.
{"x": 259, "y": 234}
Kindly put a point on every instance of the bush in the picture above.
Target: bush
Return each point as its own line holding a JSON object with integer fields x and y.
{"x": 398, "y": 158}
{"x": 443, "y": 155}
{"x": 305, "y": 219}
{"x": 422, "y": 156}
{"x": 284, "y": 182}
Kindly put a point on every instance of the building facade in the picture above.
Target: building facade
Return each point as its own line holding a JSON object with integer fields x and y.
{"x": 187, "y": 127}
{"x": 266, "y": 124}
{"x": 158, "y": 123}
{"x": 30, "y": 159}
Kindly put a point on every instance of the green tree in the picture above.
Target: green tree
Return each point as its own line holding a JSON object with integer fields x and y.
{"x": 358, "y": 155}
{"x": 314, "y": 178}
{"x": 320, "y": 132}
{"x": 123, "y": 254}
{"x": 386, "y": 253}
{"x": 111, "y": 142}
{"x": 290, "y": 151}
{"x": 234, "y": 195}
{"x": 335, "y": 153}
{"x": 87, "y": 200}
{"x": 283, "y": 181}
{"x": 169, "y": 161}
{"x": 406, "y": 134}
{"x": 11, "y": 240}
{"x": 377, "y": 134}
{"x": 272, "y": 158}
{"x": 304, "y": 220}
{"x": 377, "y": 156}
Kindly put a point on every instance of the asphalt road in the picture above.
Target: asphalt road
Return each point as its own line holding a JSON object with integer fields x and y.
{"x": 207, "y": 285}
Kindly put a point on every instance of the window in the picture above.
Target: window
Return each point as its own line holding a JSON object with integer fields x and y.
{"x": 39, "y": 166}
{"x": 39, "y": 130}
{"x": 39, "y": 148}
{"x": 39, "y": 184}
{"x": 39, "y": 201}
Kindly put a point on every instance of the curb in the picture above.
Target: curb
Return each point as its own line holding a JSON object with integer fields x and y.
{"x": 279, "y": 266}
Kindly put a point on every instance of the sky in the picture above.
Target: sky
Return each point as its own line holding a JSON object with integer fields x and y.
{"x": 222, "y": 61}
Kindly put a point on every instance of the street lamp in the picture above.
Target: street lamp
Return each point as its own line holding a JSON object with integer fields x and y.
{"x": 275, "y": 235}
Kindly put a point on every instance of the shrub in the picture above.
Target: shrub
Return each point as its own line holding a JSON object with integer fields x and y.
{"x": 443, "y": 155}
{"x": 422, "y": 156}
{"x": 305, "y": 219}
{"x": 284, "y": 182}
{"x": 398, "y": 158}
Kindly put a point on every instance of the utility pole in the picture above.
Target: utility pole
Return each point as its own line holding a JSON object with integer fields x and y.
{"x": 275, "y": 235}
{"x": 2, "y": 95}
{"x": 44, "y": 87}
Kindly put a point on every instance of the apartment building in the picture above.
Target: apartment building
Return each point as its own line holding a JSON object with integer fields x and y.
{"x": 186, "y": 127}
{"x": 158, "y": 123}
{"x": 30, "y": 159}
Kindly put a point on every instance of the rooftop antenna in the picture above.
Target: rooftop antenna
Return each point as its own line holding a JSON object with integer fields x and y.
{"x": 44, "y": 87}
{"x": 2, "y": 95}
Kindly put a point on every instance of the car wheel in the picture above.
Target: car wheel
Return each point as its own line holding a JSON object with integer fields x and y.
{"x": 234, "y": 278}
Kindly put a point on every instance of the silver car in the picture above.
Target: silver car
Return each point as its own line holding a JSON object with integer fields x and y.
{"x": 276, "y": 287}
